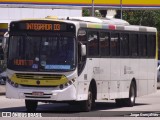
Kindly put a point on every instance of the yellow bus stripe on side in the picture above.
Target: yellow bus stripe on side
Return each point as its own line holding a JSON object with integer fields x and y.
{"x": 94, "y": 25}
{"x": 3, "y": 25}
{"x": 33, "y": 82}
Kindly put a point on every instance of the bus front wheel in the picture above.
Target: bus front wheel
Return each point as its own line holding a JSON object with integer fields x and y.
{"x": 31, "y": 105}
{"x": 88, "y": 104}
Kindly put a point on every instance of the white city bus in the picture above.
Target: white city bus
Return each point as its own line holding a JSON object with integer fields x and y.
{"x": 80, "y": 60}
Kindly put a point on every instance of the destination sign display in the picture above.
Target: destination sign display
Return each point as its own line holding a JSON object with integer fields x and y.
{"x": 23, "y": 62}
{"x": 41, "y": 26}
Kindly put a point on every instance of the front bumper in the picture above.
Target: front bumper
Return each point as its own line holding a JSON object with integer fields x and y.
{"x": 49, "y": 94}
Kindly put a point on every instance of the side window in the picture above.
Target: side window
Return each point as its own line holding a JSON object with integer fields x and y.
{"x": 82, "y": 39}
{"x": 142, "y": 45}
{"x": 124, "y": 44}
{"x": 104, "y": 44}
{"x": 151, "y": 45}
{"x": 133, "y": 45}
{"x": 82, "y": 35}
{"x": 114, "y": 44}
{"x": 93, "y": 47}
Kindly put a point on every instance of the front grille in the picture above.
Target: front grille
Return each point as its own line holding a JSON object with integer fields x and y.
{"x": 31, "y": 94}
{"x": 37, "y": 97}
{"x": 42, "y": 86}
{"x": 38, "y": 76}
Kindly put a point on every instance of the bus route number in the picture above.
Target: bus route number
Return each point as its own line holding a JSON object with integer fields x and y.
{"x": 57, "y": 27}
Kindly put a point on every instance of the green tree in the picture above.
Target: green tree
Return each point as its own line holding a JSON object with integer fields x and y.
{"x": 143, "y": 17}
{"x": 86, "y": 12}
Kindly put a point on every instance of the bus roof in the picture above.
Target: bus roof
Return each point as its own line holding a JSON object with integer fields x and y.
{"x": 111, "y": 23}
{"x": 99, "y": 23}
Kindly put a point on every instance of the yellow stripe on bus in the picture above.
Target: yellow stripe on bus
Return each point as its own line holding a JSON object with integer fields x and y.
{"x": 3, "y": 25}
{"x": 94, "y": 25}
{"x": 33, "y": 82}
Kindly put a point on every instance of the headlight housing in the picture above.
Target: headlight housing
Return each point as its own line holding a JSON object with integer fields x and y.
{"x": 70, "y": 82}
{"x": 12, "y": 83}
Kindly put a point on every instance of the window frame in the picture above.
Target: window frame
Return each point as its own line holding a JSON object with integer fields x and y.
{"x": 98, "y": 54}
{"x": 120, "y": 32}
{"x": 104, "y": 56}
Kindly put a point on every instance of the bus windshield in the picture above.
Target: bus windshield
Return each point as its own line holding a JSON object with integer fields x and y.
{"x": 41, "y": 53}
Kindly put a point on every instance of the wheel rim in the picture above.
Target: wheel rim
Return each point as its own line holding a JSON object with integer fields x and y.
{"x": 132, "y": 97}
{"x": 89, "y": 100}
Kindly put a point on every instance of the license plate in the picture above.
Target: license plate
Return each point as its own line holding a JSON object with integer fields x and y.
{"x": 37, "y": 93}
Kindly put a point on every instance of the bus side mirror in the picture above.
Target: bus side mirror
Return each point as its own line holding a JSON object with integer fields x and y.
{"x": 83, "y": 50}
{"x": 5, "y": 41}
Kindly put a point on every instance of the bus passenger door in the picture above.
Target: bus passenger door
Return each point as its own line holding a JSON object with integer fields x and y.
{"x": 105, "y": 64}
{"x": 93, "y": 60}
{"x": 115, "y": 64}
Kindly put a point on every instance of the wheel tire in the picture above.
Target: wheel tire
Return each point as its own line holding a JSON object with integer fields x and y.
{"x": 88, "y": 104}
{"x": 130, "y": 102}
{"x": 119, "y": 102}
{"x": 31, "y": 105}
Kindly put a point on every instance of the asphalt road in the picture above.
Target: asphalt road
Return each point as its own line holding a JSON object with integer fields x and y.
{"x": 146, "y": 106}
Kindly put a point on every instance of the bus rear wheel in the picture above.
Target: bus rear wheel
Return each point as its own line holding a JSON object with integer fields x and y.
{"x": 130, "y": 102}
{"x": 31, "y": 105}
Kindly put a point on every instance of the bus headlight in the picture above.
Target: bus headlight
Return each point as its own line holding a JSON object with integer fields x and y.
{"x": 61, "y": 86}
{"x": 70, "y": 82}
{"x": 12, "y": 83}
{"x": 67, "y": 84}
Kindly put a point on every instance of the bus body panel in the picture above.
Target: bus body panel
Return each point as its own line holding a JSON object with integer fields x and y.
{"x": 124, "y": 70}
{"x": 152, "y": 69}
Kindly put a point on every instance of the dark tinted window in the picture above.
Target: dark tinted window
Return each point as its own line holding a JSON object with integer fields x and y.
{"x": 114, "y": 44}
{"x": 82, "y": 35}
{"x": 142, "y": 45}
{"x": 104, "y": 44}
{"x": 151, "y": 45}
{"x": 133, "y": 45}
{"x": 93, "y": 48}
{"x": 124, "y": 45}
